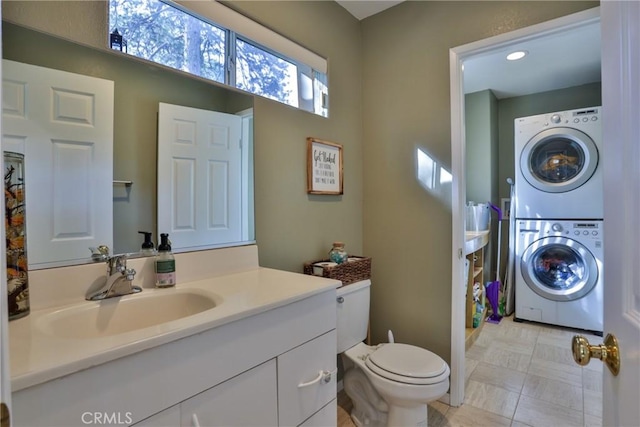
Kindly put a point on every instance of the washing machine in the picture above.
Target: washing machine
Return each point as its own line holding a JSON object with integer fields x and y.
{"x": 558, "y": 165}
{"x": 559, "y": 273}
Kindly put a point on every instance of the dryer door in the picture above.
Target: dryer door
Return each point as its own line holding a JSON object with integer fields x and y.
{"x": 559, "y": 160}
{"x": 559, "y": 268}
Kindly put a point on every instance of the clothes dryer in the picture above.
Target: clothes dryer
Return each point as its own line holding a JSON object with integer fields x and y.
{"x": 559, "y": 273}
{"x": 558, "y": 167}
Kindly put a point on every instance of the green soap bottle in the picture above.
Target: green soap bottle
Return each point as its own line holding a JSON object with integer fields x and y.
{"x": 165, "y": 264}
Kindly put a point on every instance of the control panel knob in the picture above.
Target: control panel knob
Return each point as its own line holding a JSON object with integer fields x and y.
{"x": 555, "y": 118}
{"x": 557, "y": 227}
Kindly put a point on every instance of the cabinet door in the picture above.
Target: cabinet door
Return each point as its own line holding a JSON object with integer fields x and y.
{"x": 307, "y": 379}
{"x": 170, "y": 417}
{"x": 326, "y": 416}
{"x": 249, "y": 399}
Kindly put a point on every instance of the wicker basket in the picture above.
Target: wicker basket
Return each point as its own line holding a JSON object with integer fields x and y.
{"x": 354, "y": 270}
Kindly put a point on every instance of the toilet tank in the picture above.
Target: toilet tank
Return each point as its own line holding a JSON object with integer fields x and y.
{"x": 353, "y": 314}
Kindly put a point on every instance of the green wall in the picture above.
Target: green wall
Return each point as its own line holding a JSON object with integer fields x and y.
{"x": 291, "y": 226}
{"x": 481, "y": 130}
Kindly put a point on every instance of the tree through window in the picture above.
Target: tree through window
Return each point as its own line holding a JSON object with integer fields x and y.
{"x": 163, "y": 33}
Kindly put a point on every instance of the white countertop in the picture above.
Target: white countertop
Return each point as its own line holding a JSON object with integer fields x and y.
{"x": 475, "y": 240}
{"x": 37, "y": 356}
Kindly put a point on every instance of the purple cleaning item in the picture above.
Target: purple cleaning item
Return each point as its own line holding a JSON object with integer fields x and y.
{"x": 493, "y": 288}
{"x": 493, "y": 295}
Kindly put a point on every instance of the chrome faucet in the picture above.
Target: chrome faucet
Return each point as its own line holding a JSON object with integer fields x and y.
{"x": 119, "y": 280}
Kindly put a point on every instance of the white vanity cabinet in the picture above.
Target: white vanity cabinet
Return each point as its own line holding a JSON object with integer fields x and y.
{"x": 302, "y": 391}
{"x": 244, "y": 372}
{"x": 249, "y": 399}
{"x": 168, "y": 418}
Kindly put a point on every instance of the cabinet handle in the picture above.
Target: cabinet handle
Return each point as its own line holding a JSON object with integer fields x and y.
{"x": 324, "y": 376}
{"x": 194, "y": 420}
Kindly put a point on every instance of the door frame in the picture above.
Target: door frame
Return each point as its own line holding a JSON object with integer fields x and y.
{"x": 457, "y": 57}
{"x": 5, "y": 384}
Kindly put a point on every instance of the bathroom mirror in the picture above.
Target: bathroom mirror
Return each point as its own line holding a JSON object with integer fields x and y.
{"x": 139, "y": 88}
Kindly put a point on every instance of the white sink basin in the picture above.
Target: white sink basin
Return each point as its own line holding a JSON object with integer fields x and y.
{"x": 125, "y": 314}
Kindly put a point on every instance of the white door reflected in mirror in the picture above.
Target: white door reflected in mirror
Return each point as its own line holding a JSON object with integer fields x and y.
{"x": 63, "y": 124}
{"x": 200, "y": 190}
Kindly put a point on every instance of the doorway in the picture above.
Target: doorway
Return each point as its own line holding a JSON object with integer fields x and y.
{"x": 458, "y": 57}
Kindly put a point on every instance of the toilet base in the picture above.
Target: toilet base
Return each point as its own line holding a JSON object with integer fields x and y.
{"x": 371, "y": 410}
{"x": 413, "y": 416}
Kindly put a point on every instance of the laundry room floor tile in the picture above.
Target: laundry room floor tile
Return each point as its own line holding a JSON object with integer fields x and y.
{"x": 505, "y": 378}
{"x": 554, "y": 353}
{"x": 491, "y": 398}
{"x": 553, "y": 391}
{"x": 468, "y": 415}
{"x": 536, "y": 412}
{"x": 556, "y": 371}
{"x": 469, "y": 366}
{"x": 507, "y": 359}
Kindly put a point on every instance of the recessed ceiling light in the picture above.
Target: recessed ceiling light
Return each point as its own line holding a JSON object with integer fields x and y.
{"x": 514, "y": 56}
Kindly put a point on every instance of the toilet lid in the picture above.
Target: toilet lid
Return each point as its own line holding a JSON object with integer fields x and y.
{"x": 408, "y": 364}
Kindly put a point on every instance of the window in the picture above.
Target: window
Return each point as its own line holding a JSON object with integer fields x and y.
{"x": 165, "y": 33}
{"x": 265, "y": 74}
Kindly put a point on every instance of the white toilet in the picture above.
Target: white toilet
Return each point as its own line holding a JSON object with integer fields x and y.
{"x": 389, "y": 384}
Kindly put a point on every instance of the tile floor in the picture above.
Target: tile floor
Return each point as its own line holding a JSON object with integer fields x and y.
{"x": 518, "y": 375}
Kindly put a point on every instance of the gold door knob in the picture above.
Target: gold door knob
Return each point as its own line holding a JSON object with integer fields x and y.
{"x": 4, "y": 415}
{"x": 609, "y": 352}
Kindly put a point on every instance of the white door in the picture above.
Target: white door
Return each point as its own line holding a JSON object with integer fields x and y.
{"x": 199, "y": 176}
{"x": 63, "y": 124}
{"x": 621, "y": 132}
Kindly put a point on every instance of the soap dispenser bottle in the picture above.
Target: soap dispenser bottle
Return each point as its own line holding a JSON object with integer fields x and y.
{"x": 148, "y": 248}
{"x": 165, "y": 264}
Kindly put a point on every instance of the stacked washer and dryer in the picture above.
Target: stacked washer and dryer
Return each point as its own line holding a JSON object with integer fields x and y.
{"x": 559, "y": 219}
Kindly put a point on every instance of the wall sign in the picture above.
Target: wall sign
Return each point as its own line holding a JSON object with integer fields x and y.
{"x": 324, "y": 167}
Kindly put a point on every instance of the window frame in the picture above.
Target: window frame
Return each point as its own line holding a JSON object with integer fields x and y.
{"x": 204, "y": 9}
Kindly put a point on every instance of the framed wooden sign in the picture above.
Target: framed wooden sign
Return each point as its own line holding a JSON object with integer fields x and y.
{"x": 324, "y": 167}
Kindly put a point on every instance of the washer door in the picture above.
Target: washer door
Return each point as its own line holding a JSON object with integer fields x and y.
{"x": 559, "y": 269}
{"x": 559, "y": 160}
